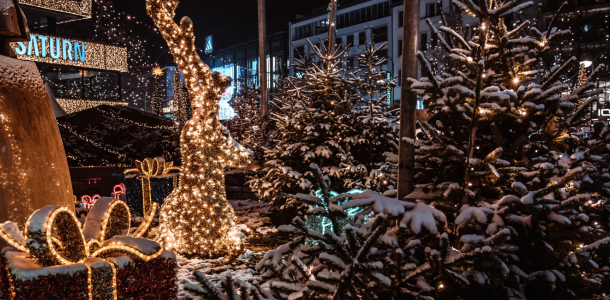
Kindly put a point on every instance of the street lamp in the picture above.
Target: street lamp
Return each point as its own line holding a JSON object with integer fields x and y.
{"x": 586, "y": 59}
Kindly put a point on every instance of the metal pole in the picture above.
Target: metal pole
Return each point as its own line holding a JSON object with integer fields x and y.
{"x": 262, "y": 51}
{"x": 408, "y": 99}
{"x": 331, "y": 25}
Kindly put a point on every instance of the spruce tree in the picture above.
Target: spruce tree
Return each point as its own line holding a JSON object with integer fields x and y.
{"x": 338, "y": 120}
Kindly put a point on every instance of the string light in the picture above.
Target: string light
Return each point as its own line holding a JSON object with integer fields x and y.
{"x": 80, "y": 8}
{"x": 71, "y": 105}
{"x": 197, "y": 213}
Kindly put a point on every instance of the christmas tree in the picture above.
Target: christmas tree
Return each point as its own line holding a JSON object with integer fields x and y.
{"x": 503, "y": 211}
{"x": 157, "y": 99}
{"x": 249, "y": 127}
{"x": 336, "y": 119}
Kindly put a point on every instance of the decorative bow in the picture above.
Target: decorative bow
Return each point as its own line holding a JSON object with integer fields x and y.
{"x": 118, "y": 190}
{"x": 148, "y": 168}
{"x": 88, "y": 201}
{"x": 53, "y": 236}
{"x": 153, "y": 167}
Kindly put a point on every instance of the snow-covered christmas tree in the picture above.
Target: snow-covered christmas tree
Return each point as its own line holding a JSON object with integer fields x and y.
{"x": 251, "y": 129}
{"x": 333, "y": 118}
{"x": 504, "y": 212}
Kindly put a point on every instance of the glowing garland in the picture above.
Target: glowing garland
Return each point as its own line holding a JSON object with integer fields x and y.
{"x": 197, "y": 213}
{"x": 75, "y": 105}
{"x": 80, "y": 8}
{"x": 113, "y": 115}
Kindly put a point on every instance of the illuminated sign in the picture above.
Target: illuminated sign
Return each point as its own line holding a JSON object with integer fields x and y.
{"x": 80, "y": 8}
{"x": 209, "y": 46}
{"x": 61, "y": 51}
{"x": 603, "y": 112}
{"x": 389, "y": 90}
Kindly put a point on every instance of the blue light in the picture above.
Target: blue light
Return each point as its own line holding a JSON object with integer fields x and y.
{"x": 58, "y": 48}
{"x": 325, "y": 222}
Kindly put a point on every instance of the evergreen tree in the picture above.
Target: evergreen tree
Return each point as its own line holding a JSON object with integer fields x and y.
{"x": 505, "y": 212}
{"x": 333, "y": 118}
{"x": 249, "y": 128}
{"x": 157, "y": 99}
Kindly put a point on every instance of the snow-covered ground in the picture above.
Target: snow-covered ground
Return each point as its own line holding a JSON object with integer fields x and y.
{"x": 251, "y": 214}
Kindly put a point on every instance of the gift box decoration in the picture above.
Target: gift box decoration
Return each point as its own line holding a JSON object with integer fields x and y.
{"x": 150, "y": 182}
{"x": 57, "y": 260}
{"x": 119, "y": 192}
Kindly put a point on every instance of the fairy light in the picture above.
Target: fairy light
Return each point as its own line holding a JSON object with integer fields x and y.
{"x": 80, "y": 8}
{"x": 75, "y": 105}
{"x": 197, "y": 212}
{"x": 11, "y": 241}
{"x": 99, "y": 56}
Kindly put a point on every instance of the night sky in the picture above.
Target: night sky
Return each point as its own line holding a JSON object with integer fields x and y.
{"x": 233, "y": 21}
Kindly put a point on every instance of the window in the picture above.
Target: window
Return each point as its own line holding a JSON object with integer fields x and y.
{"x": 362, "y": 38}
{"x": 338, "y": 41}
{"x": 434, "y": 9}
{"x": 400, "y": 48}
{"x": 383, "y": 54}
{"x": 350, "y": 40}
{"x": 401, "y": 18}
{"x": 369, "y": 14}
{"x": 374, "y": 17}
{"x": 434, "y": 40}
{"x": 299, "y": 51}
{"x": 380, "y": 34}
{"x": 317, "y": 45}
{"x": 423, "y": 42}
{"x": 350, "y": 63}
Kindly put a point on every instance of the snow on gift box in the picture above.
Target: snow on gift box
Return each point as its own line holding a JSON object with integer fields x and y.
{"x": 57, "y": 260}
{"x": 150, "y": 182}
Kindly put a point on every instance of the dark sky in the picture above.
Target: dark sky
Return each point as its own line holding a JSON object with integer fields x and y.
{"x": 235, "y": 20}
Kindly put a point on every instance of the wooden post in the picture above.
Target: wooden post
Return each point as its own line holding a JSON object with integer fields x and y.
{"x": 332, "y": 17}
{"x": 408, "y": 99}
{"x": 262, "y": 51}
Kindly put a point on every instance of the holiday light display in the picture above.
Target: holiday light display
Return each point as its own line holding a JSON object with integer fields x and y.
{"x": 73, "y": 105}
{"x": 53, "y": 238}
{"x": 197, "y": 213}
{"x": 80, "y": 8}
{"x": 157, "y": 99}
{"x": 148, "y": 169}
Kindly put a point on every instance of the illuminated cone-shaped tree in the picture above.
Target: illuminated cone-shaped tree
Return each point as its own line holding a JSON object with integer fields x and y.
{"x": 157, "y": 99}
{"x": 197, "y": 213}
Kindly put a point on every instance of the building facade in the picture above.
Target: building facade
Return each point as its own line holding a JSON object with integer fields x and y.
{"x": 357, "y": 23}
{"x": 241, "y": 63}
{"x": 81, "y": 73}
{"x": 588, "y": 41}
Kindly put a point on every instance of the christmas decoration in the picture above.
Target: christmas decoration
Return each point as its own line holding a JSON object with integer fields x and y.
{"x": 32, "y": 158}
{"x": 326, "y": 115}
{"x": 500, "y": 210}
{"x": 119, "y": 192}
{"x": 117, "y": 137}
{"x": 157, "y": 100}
{"x": 152, "y": 182}
{"x": 88, "y": 201}
{"x": 249, "y": 128}
{"x": 197, "y": 212}
{"x": 54, "y": 249}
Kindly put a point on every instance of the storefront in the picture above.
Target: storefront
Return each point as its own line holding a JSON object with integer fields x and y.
{"x": 81, "y": 73}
